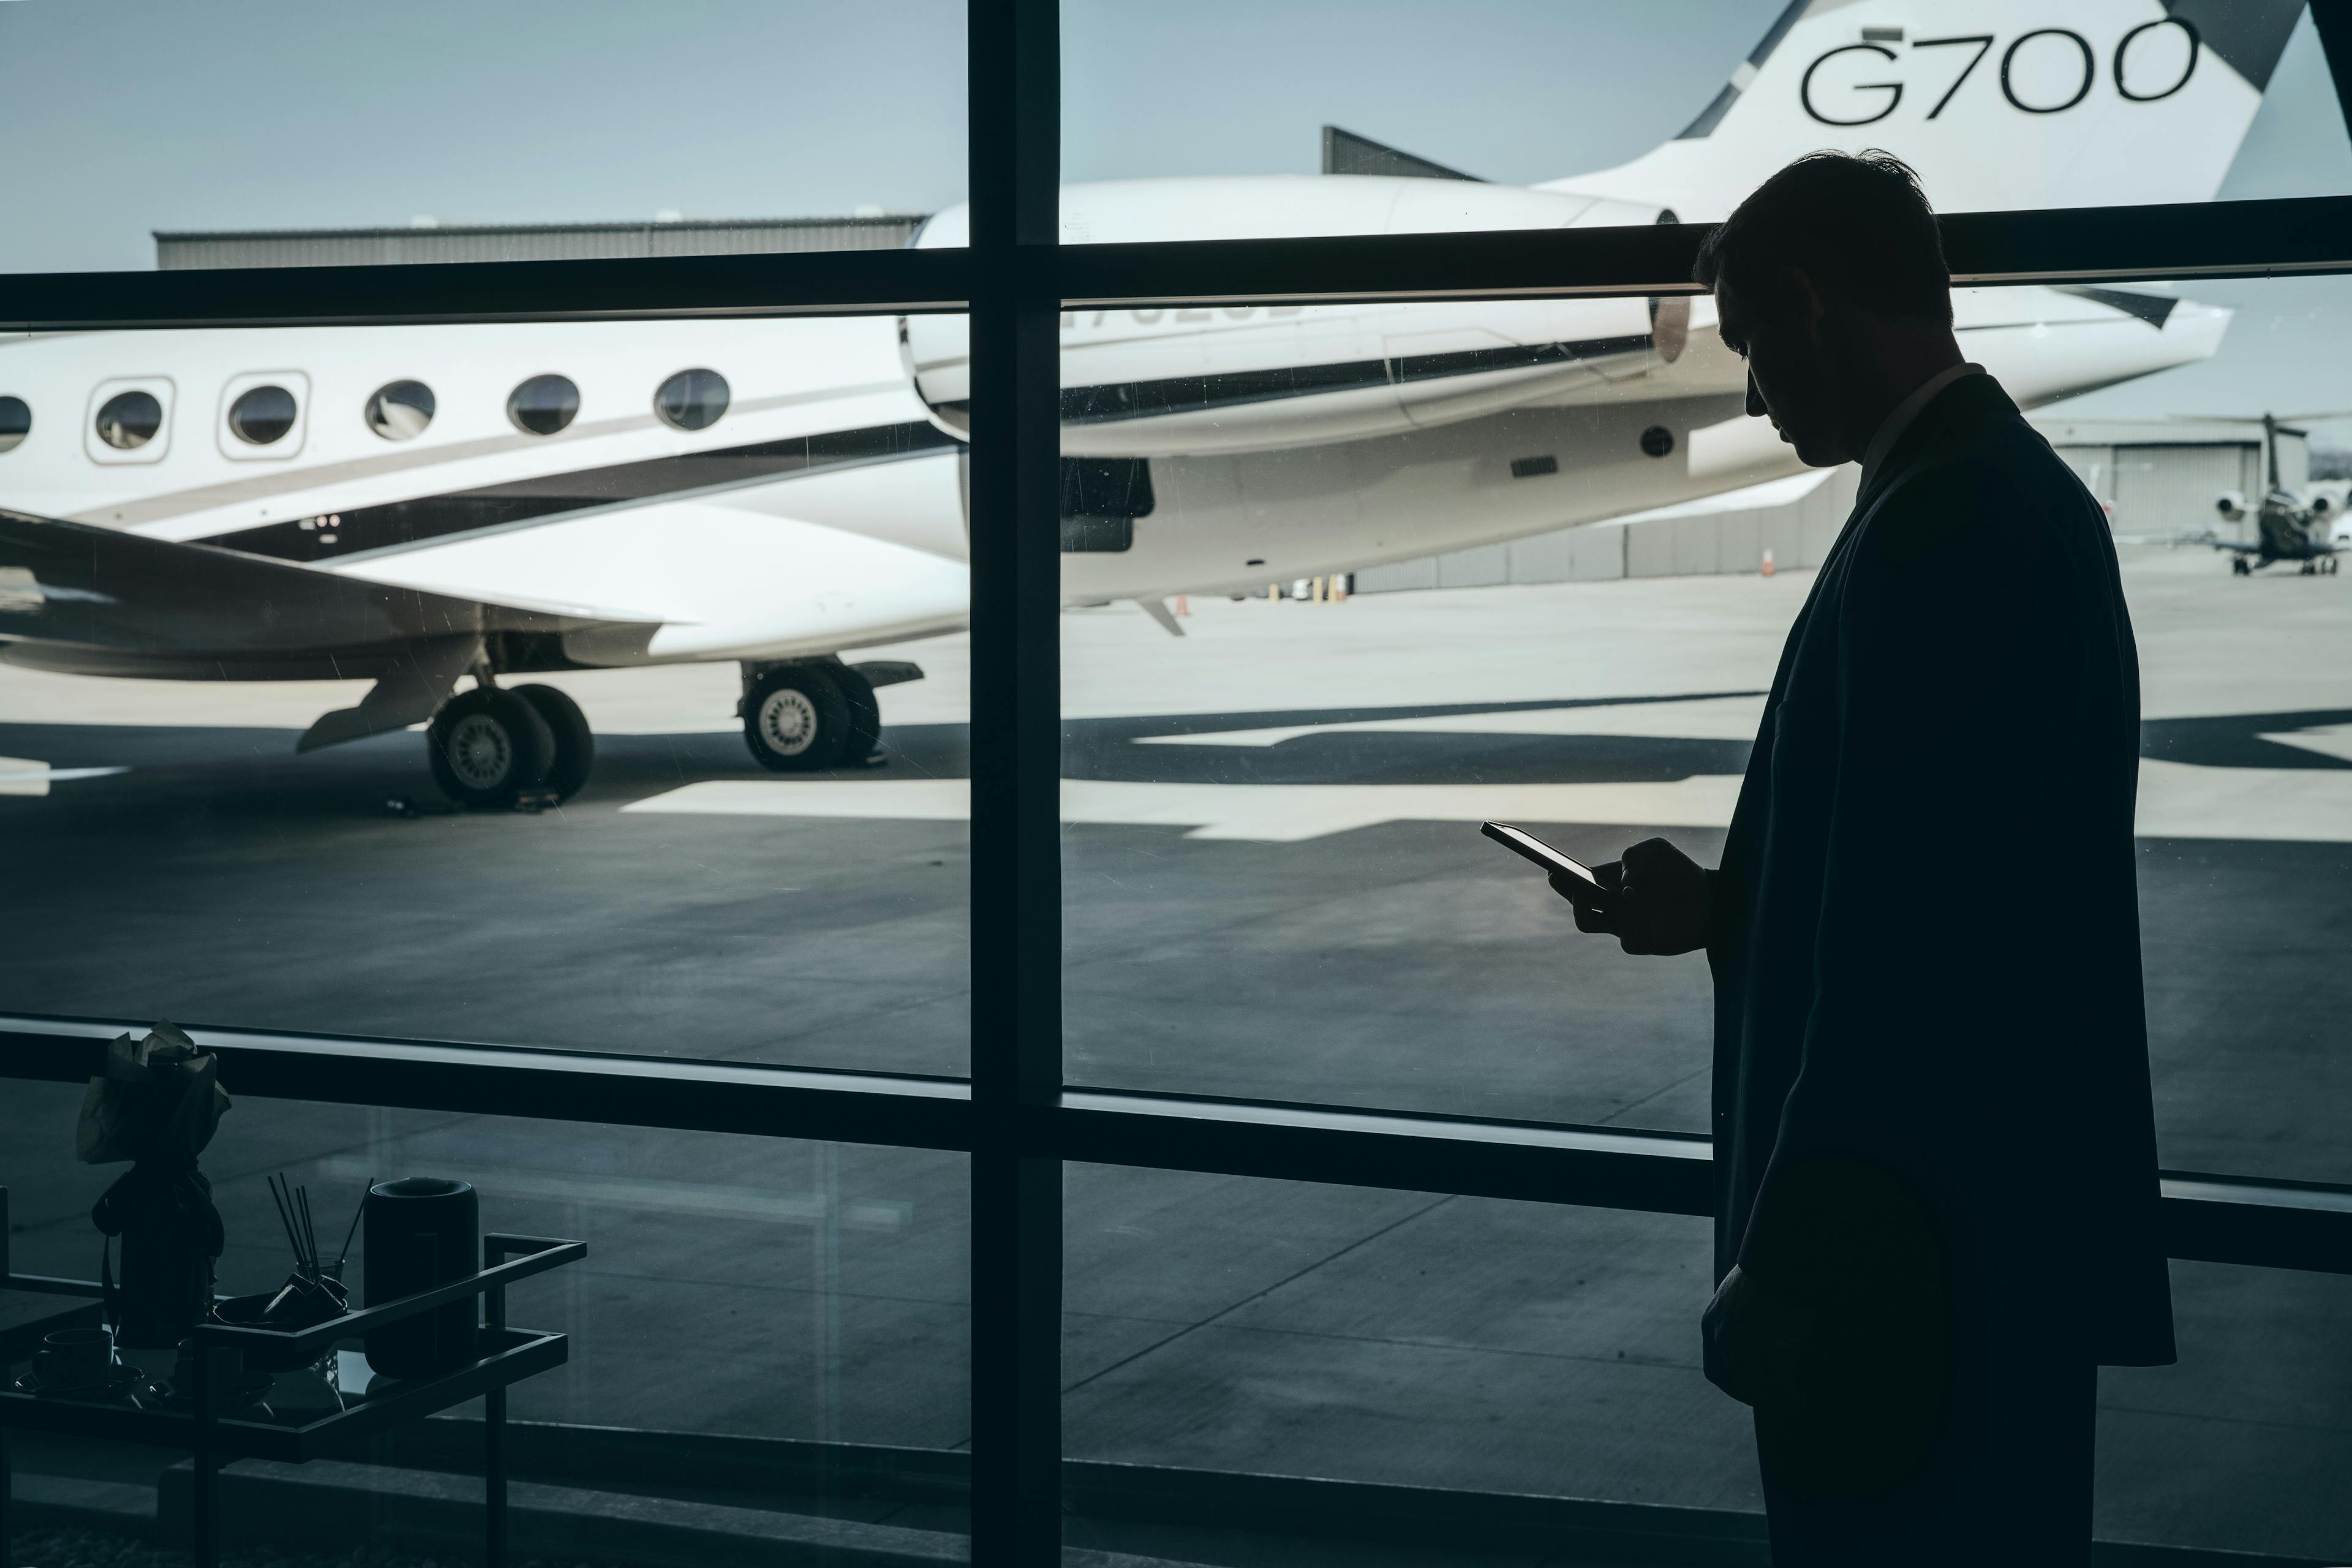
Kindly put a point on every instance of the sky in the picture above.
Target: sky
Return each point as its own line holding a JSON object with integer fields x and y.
{"x": 122, "y": 117}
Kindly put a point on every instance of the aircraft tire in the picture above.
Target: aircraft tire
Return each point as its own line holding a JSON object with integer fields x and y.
{"x": 864, "y": 714}
{"x": 574, "y": 756}
{"x": 2237, "y": 567}
{"x": 796, "y": 721}
{"x": 487, "y": 746}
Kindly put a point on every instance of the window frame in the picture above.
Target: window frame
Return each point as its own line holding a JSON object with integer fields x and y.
{"x": 1015, "y": 1116}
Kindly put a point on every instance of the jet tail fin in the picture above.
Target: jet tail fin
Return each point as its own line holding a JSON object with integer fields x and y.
{"x": 1998, "y": 103}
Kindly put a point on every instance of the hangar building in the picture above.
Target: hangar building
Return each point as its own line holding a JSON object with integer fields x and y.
{"x": 180, "y": 250}
{"x": 2161, "y": 477}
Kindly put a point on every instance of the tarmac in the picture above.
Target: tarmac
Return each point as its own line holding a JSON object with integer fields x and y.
{"x": 1275, "y": 890}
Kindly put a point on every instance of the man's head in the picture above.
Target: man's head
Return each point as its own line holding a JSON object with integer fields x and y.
{"x": 1830, "y": 280}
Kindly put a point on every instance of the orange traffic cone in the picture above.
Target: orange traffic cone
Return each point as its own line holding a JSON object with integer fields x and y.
{"x": 1768, "y": 567}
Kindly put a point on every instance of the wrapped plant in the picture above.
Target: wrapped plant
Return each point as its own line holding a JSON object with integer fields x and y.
{"x": 156, "y": 1105}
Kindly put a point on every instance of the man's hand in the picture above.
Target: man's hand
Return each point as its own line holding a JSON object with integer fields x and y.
{"x": 1755, "y": 1341}
{"x": 1658, "y": 899}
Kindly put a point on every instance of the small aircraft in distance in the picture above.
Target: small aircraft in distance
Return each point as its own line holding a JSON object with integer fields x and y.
{"x": 2287, "y": 526}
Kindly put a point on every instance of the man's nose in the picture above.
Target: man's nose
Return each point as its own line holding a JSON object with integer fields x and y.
{"x": 1755, "y": 398}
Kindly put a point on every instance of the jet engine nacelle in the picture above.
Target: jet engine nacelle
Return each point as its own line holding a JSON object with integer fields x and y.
{"x": 2232, "y": 505}
{"x": 1205, "y": 380}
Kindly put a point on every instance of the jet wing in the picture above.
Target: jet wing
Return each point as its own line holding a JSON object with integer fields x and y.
{"x": 101, "y": 601}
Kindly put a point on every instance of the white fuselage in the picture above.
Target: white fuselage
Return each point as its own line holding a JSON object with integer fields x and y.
{"x": 824, "y": 511}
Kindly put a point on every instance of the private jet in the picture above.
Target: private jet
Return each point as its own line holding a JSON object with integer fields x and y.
{"x": 444, "y": 509}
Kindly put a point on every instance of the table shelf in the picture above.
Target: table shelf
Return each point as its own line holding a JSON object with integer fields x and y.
{"x": 215, "y": 1434}
{"x": 513, "y": 1355}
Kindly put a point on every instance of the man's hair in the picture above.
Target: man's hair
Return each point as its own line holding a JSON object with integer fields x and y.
{"x": 1856, "y": 223}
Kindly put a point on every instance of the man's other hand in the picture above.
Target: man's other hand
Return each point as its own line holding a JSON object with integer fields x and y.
{"x": 1657, "y": 900}
{"x": 1756, "y": 1343}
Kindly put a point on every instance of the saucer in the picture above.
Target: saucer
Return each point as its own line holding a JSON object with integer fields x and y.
{"x": 231, "y": 1393}
{"x": 115, "y": 1383}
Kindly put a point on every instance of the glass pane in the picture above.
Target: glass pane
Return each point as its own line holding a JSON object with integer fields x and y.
{"x": 1592, "y": 113}
{"x": 1273, "y": 1371}
{"x": 694, "y": 561}
{"x": 2245, "y": 791}
{"x": 1440, "y": 564}
{"x": 273, "y": 133}
{"x": 761, "y": 1329}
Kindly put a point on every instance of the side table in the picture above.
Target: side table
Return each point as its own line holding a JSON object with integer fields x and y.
{"x": 213, "y": 1434}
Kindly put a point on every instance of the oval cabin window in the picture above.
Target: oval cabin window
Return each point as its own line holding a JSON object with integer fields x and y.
{"x": 400, "y": 410}
{"x": 543, "y": 405}
{"x": 129, "y": 420}
{"x": 692, "y": 400}
{"x": 16, "y": 423}
{"x": 261, "y": 416}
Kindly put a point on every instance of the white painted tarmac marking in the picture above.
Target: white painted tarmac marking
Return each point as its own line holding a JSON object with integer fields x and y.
{"x": 2327, "y": 740}
{"x": 1270, "y": 814}
{"x": 28, "y": 775}
{"x": 2297, "y": 805}
{"x": 2176, "y": 801}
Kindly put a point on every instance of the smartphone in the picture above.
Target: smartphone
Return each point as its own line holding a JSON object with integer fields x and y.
{"x": 1519, "y": 841}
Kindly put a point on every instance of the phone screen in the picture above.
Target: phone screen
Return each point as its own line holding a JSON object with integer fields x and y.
{"x": 1521, "y": 842}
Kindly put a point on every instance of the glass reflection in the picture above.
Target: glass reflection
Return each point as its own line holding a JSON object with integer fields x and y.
{"x": 262, "y": 416}
{"x": 401, "y": 410}
{"x": 129, "y": 420}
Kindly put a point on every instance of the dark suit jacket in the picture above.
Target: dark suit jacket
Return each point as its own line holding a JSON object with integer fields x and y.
{"x": 1927, "y": 931}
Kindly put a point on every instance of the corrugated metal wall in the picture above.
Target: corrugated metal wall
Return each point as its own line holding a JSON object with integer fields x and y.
{"x": 2170, "y": 487}
{"x": 554, "y": 242}
{"x": 2172, "y": 490}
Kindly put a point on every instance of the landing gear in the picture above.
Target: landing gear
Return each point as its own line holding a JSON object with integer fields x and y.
{"x": 798, "y": 719}
{"x": 487, "y": 746}
{"x": 2237, "y": 567}
{"x": 575, "y": 744}
{"x": 494, "y": 749}
{"x": 808, "y": 715}
{"x": 864, "y": 714}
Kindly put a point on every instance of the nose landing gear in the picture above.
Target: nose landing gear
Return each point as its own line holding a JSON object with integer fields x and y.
{"x": 809, "y": 717}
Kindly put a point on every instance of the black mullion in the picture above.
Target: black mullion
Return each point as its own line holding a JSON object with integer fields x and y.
{"x": 609, "y": 1089}
{"x": 1016, "y": 1243}
{"x": 2298, "y": 234}
{"x": 2310, "y": 234}
{"x": 2220, "y": 1219}
{"x": 810, "y": 283}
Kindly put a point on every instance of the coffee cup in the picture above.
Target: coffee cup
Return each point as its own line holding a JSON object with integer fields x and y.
{"x": 71, "y": 1357}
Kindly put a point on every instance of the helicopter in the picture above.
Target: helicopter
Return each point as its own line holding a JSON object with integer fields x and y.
{"x": 2287, "y": 526}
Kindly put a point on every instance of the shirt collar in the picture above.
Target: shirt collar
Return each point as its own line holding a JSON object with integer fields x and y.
{"x": 1891, "y": 429}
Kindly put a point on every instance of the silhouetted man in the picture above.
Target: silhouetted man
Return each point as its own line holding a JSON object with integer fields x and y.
{"x": 1937, "y": 1208}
